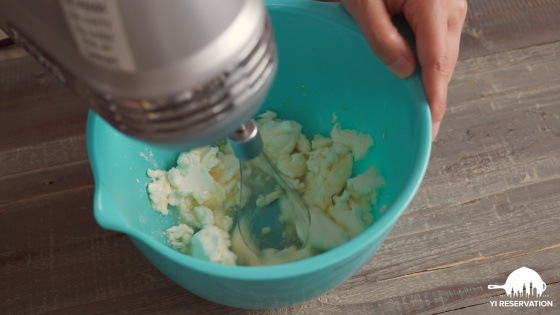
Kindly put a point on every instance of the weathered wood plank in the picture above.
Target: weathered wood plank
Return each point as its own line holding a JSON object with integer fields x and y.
{"x": 446, "y": 289}
{"x": 497, "y": 26}
{"x": 426, "y": 292}
{"x": 53, "y": 255}
{"x": 517, "y": 221}
{"x": 42, "y": 155}
{"x": 489, "y": 76}
{"x": 35, "y": 107}
{"x": 11, "y": 52}
{"x": 498, "y": 137}
{"x": 35, "y": 184}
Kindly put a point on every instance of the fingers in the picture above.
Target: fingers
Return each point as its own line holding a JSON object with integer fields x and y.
{"x": 438, "y": 30}
{"x": 437, "y": 26}
{"x": 437, "y": 66}
{"x": 455, "y": 26}
{"x": 375, "y": 22}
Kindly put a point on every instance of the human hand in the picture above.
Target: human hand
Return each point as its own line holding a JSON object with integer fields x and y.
{"x": 437, "y": 28}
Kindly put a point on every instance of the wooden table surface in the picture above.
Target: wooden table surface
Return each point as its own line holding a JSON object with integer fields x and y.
{"x": 489, "y": 203}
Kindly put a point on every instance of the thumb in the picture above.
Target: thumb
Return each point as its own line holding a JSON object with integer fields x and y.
{"x": 383, "y": 37}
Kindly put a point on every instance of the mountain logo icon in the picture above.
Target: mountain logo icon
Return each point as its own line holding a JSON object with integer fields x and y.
{"x": 522, "y": 278}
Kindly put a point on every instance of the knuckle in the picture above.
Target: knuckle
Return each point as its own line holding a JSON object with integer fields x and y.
{"x": 442, "y": 66}
{"x": 395, "y": 6}
{"x": 384, "y": 38}
{"x": 438, "y": 107}
{"x": 462, "y": 8}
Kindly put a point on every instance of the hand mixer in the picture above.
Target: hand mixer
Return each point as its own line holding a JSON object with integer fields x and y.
{"x": 177, "y": 73}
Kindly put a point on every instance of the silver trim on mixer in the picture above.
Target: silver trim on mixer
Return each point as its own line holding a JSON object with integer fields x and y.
{"x": 195, "y": 109}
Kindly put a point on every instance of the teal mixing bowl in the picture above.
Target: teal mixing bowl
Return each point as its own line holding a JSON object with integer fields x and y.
{"x": 325, "y": 67}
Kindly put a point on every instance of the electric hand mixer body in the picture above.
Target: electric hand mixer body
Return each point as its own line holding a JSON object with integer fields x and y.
{"x": 179, "y": 73}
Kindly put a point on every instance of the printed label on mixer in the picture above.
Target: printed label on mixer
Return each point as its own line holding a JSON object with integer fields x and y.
{"x": 99, "y": 33}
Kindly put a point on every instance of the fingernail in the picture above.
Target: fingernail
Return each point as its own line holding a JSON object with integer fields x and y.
{"x": 402, "y": 67}
{"x": 435, "y": 129}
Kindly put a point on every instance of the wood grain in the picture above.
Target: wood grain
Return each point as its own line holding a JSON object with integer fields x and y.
{"x": 489, "y": 203}
{"x": 35, "y": 107}
{"x": 498, "y": 26}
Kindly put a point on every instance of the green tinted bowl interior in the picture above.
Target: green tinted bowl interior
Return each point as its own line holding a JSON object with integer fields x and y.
{"x": 325, "y": 67}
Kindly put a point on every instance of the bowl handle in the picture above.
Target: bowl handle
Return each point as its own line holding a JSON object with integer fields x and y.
{"x": 104, "y": 210}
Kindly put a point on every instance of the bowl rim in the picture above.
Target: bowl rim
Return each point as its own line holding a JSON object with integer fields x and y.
{"x": 329, "y": 259}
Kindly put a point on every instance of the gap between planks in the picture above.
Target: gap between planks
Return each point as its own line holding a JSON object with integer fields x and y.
{"x": 508, "y": 255}
{"x": 43, "y": 169}
{"x": 13, "y": 205}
